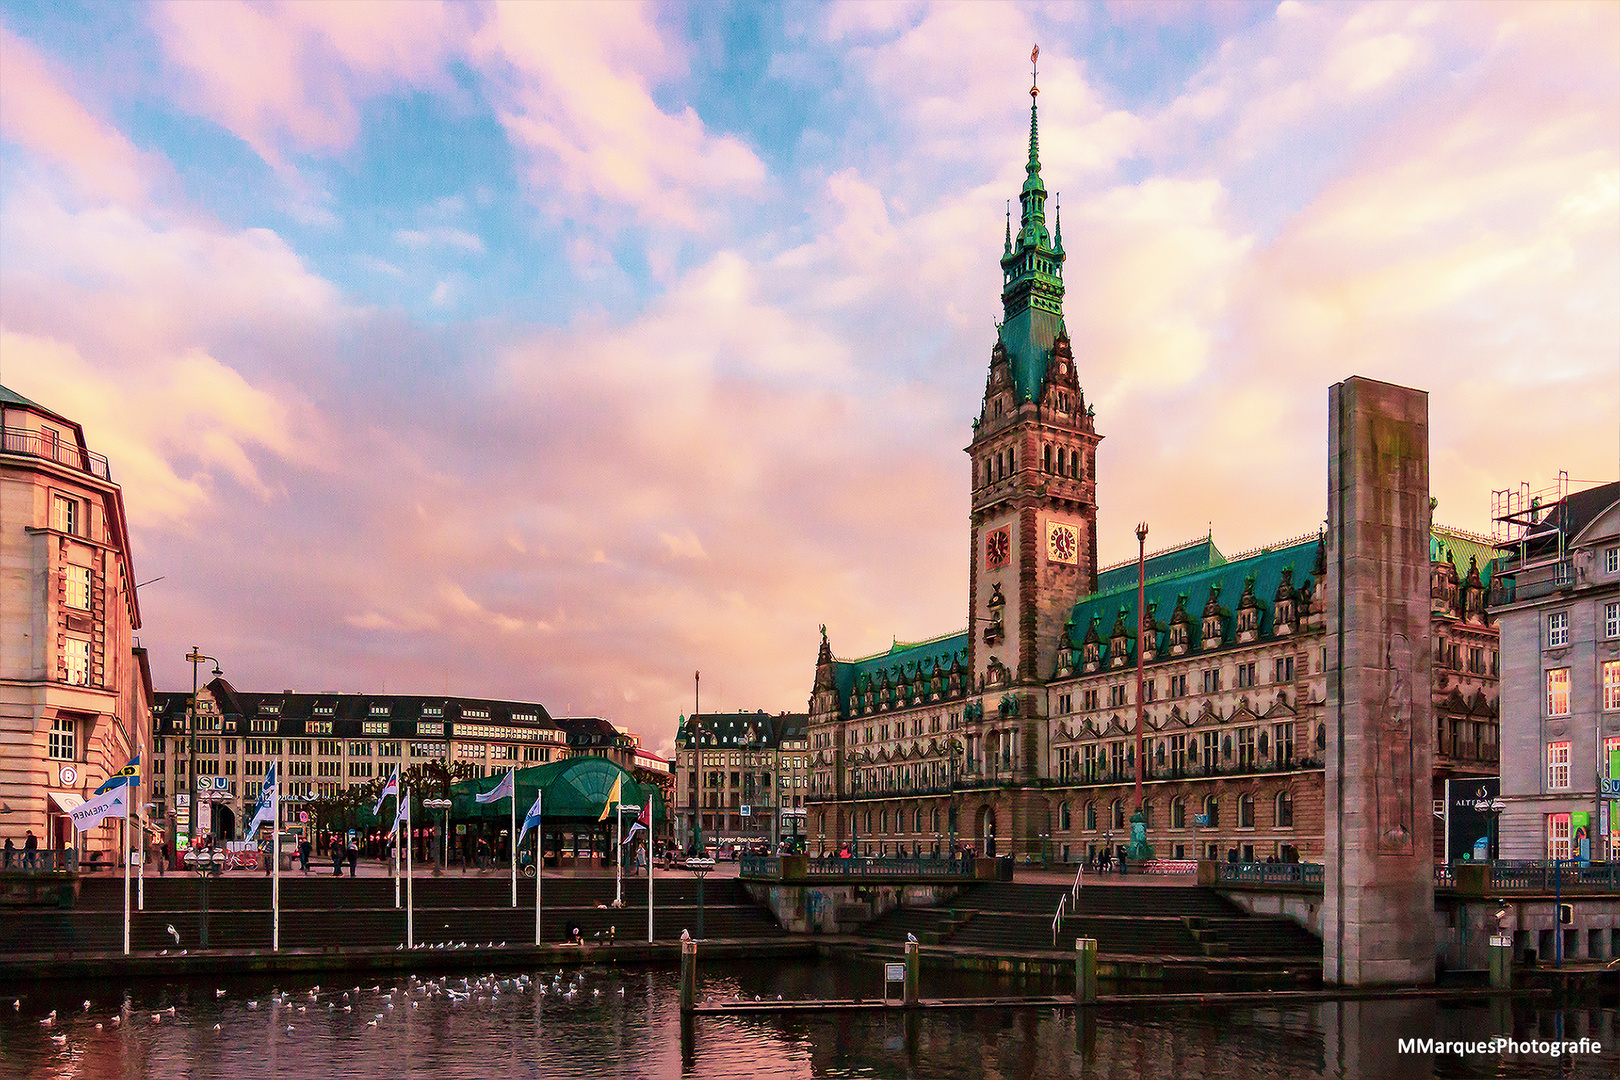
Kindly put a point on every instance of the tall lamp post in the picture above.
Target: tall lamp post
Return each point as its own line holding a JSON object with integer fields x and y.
{"x": 1141, "y": 631}
{"x": 195, "y": 657}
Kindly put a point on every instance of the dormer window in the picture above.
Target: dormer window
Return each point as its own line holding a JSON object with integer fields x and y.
{"x": 1212, "y": 631}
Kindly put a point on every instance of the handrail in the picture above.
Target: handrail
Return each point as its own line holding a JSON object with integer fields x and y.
{"x": 1057, "y": 920}
{"x": 1075, "y": 891}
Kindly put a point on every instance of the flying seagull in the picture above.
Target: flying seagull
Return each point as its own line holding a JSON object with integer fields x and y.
{"x": 173, "y": 933}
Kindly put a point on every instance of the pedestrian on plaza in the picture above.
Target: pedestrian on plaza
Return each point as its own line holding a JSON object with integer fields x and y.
{"x": 335, "y": 847}
{"x": 354, "y": 856}
{"x": 1107, "y": 858}
{"x": 483, "y": 854}
{"x": 11, "y": 851}
{"x": 303, "y": 853}
{"x": 30, "y": 850}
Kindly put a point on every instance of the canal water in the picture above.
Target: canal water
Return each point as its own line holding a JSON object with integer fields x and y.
{"x": 625, "y": 1022}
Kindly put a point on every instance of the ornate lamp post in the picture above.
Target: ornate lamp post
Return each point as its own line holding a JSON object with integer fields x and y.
{"x": 195, "y": 657}
{"x": 700, "y": 867}
{"x": 442, "y": 805}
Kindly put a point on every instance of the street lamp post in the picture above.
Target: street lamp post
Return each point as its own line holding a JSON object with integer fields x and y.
{"x": 700, "y": 867}
{"x": 443, "y": 806}
{"x": 1141, "y": 631}
{"x": 195, "y": 657}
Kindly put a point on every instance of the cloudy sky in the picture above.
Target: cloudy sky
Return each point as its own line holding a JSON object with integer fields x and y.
{"x": 555, "y": 352}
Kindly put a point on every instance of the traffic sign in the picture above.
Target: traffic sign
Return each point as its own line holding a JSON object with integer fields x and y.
{"x": 1201, "y": 821}
{"x": 1609, "y": 789}
{"x": 747, "y": 811}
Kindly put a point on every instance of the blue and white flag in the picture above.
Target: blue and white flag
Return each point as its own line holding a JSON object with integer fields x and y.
{"x": 91, "y": 811}
{"x": 390, "y": 788}
{"x": 265, "y": 809}
{"x": 503, "y": 790}
{"x": 532, "y": 818}
{"x": 129, "y": 774}
{"x": 401, "y": 804}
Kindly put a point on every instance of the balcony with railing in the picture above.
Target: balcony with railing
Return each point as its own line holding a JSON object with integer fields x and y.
{"x": 51, "y": 448}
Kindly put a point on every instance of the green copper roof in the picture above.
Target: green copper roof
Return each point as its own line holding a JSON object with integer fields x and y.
{"x": 902, "y": 659}
{"x": 1032, "y": 280}
{"x": 576, "y": 788}
{"x": 1265, "y": 566}
{"x": 1462, "y": 546}
{"x": 1199, "y": 553}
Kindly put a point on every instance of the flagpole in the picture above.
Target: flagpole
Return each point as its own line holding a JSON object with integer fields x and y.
{"x": 126, "y": 869}
{"x": 275, "y": 870}
{"x": 410, "y": 926}
{"x": 140, "y": 886}
{"x": 540, "y": 858}
{"x": 513, "y": 834}
{"x": 651, "y": 859}
{"x": 618, "y": 855}
{"x": 397, "y": 837}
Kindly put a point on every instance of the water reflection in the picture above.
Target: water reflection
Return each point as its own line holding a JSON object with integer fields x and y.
{"x": 602, "y": 1022}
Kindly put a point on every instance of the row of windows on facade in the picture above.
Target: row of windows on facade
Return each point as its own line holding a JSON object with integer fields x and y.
{"x": 1282, "y": 816}
{"x": 1558, "y": 776}
{"x": 795, "y": 761}
{"x": 745, "y": 780}
{"x": 1176, "y": 686}
{"x": 1057, "y": 460}
{"x": 335, "y": 748}
{"x": 1558, "y": 625}
{"x": 902, "y": 729}
{"x": 1559, "y": 685}
{"x": 1559, "y": 839}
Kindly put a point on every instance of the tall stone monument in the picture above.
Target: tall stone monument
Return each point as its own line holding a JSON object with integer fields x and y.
{"x": 1378, "y": 913}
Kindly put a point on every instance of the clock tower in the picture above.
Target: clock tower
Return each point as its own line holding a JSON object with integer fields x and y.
{"x": 1033, "y": 456}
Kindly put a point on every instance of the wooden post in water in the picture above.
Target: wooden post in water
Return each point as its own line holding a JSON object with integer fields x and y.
{"x": 688, "y": 974}
{"x": 911, "y": 975}
{"x": 1085, "y": 971}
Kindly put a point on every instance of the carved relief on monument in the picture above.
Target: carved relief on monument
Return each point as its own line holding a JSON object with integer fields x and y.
{"x": 1393, "y": 776}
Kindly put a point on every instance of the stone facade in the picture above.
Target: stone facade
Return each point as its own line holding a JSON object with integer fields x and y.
{"x": 1378, "y": 907}
{"x": 75, "y": 689}
{"x": 325, "y": 744}
{"x": 1558, "y": 602}
{"x": 732, "y": 760}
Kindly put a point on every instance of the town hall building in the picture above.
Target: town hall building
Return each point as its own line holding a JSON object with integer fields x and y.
{"x": 1017, "y": 735}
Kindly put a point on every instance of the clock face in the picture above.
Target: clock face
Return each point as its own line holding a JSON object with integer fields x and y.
{"x": 997, "y": 548}
{"x": 1062, "y": 543}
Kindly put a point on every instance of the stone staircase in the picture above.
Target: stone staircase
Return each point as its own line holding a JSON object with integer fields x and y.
{"x": 332, "y": 914}
{"x": 1127, "y": 921}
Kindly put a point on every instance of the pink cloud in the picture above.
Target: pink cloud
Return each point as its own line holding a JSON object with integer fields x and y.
{"x": 36, "y": 111}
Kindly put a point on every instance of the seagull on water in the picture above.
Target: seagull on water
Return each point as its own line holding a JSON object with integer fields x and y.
{"x": 173, "y": 933}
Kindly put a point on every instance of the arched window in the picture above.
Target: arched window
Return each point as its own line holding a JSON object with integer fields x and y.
{"x": 1091, "y": 816}
{"x": 1178, "y": 813}
{"x": 869, "y": 821}
{"x": 935, "y": 818}
{"x": 1147, "y": 812}
{"x": 1046, "y": 458}
{"x": 1285, "y": 809}
{"x": 883, "y": 821}
{"x": 1212, "y": 810}
{"x": 918, "y": 820}
{"x": 1245, "y": 811}
{"x": 1063, "y": 816}
{"x": 1116, "y": 815}
{"x": 1074, "y": 465}
{"x": 821, "y": 823}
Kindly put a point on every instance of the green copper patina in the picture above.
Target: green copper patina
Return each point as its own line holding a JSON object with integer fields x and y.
{"x": 1032, "y": 278}
{"x": 1138, "y": 850}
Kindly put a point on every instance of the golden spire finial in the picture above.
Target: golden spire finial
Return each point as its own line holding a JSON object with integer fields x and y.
{"x": 1034, "y": 57}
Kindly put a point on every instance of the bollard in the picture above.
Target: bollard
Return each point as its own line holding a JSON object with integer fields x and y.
{"x": 911, "y": 975}
{"x": 688, "y": 975}
{"x": 1085, "y": 971}
{"x": 1500, "y": 949}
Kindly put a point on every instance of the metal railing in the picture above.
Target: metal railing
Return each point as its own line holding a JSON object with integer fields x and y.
{"x": 1544, "y": 876}
{"x": 759, "y": 866}
{"x": 1075, "y": 890}
{"x": 1253, "y": 873}
{"x": 1057, "y": 919}
{"x": 61, "y": 451}
{"x": 43, "y": 861}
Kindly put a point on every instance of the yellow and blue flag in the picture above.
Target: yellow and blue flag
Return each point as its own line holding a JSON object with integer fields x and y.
{"x": 130, "y": 774}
